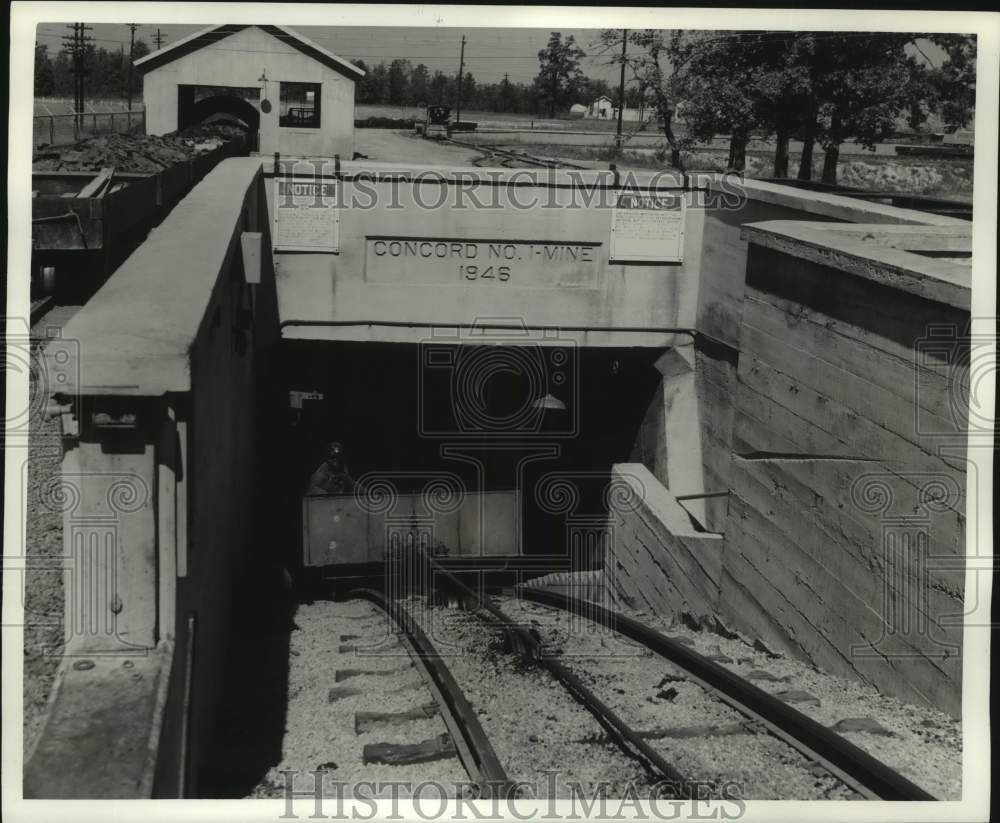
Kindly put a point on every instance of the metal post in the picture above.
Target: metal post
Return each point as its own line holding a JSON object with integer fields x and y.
{"x": 461, "y": 71}
{"x": 52, "y": 130}
{"x": 95, "y": 122}
{"x": 112, "y": 122}
{"x": 128, "y": 121}
{"x": 621, "y": 91}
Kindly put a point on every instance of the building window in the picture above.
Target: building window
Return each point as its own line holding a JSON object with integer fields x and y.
{"x": 299, "y": 105}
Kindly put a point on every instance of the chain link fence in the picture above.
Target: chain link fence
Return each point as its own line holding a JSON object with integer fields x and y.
{"x": 63, "y": 129}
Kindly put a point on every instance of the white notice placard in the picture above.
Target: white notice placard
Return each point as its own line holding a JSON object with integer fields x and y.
{"x": 647, "y": 228}
{"x": 306, "y": 216}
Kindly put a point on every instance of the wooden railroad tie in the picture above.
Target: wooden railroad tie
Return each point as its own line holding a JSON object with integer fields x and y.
{"x": 365, "y": 721}
{"x": 403, "y": 754}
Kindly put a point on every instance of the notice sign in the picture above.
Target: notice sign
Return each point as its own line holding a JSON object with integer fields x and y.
{"x": 306, "y": 217}
{"x": 647, "y": 228}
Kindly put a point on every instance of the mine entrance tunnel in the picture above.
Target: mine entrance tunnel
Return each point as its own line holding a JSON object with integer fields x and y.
{"x": 232, "y": 105}
{"x": 526, "y": 435}
{"x": 718, "y": 380}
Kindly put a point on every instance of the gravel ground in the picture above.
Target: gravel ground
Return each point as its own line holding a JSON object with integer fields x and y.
{"x": 43, "y": 583}
{"x": 650, "y": 694}
{"x": 923, "y": 744}
{"x": 534, "y": 725}
{"x": 320, "y": 732}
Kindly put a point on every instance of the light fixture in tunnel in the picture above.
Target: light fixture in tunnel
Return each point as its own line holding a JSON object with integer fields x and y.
{"x": 549, "y": 403}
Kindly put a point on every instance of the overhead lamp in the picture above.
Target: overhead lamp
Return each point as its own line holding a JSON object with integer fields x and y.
{"x": 549, "y": 403}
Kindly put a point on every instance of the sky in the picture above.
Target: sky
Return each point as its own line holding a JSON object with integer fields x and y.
{"x": 489, "y": 52}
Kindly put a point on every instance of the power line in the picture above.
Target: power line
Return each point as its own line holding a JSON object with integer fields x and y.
{"x": 131, "y": 60}
{"x": 461, "y": 70}
{"x": 159, "y": 39}
{"x": 77, "y": 45}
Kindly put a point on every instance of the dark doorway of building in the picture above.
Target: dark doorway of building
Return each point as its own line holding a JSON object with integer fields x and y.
{"x": 226, "y": 104}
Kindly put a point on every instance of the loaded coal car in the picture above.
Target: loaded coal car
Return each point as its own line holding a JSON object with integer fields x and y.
{"x": 93, "y": 202}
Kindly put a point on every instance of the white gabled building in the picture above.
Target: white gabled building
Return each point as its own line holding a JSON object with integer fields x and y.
{"x": 297, "y": 97}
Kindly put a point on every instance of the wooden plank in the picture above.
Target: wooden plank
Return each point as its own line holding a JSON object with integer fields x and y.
{"x": 346, "y": 674}
{"x": 365, "y": 721}
{"x": 402, "y": 754}
{"x": 96, "y": 186}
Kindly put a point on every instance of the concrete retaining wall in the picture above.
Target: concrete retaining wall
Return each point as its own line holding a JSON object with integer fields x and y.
{"x": 162, "y": 402}
{"x": 833, "y": 412}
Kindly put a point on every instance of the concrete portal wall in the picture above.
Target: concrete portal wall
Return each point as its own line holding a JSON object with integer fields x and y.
{"x": 657, "y": 559}
{"x": 238, "y": 61}
{"x": 163, "y": 399}
{"x": 846, "y": 527}
{"x": 828, "y": 440}
{"x": 357, "y": 285}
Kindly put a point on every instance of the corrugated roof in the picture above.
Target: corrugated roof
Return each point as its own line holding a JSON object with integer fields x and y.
{"x": 213, "y": 34}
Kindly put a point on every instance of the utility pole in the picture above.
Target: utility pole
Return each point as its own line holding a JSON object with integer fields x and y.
{"x": 621, "y": 90}
{"x": 461, "y": 71}
{"x": 76, "y": 44}
{"x": 158, "y": 38}
{"x": 131, "y": 52}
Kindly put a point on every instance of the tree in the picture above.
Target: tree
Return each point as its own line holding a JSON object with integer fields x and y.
{"x": 362, "y": 89}
{"x": 375, "y": 84}
{"x": 559, "y": 76}
{"x": 419, "y": 84}
{"x": 44, "y": 73}
{"x": 718, "y": 81}
{"x": 468, "y": 89}
{"x": 650, "y": 63}
{"x": 442, "y": 88}
{"x": 398, "y": 82}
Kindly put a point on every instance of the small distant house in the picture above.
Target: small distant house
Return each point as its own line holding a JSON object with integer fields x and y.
{"x": 601, "y": 108}
{"x": 577, "y": 110}
{"x": 294, "y": 96}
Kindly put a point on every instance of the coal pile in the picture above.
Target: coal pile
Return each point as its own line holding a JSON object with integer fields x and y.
{"x": 137, "y": 153}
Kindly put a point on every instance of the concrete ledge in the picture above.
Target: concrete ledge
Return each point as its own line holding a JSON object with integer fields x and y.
{"x": 657, "y": 554}
{"x": 134, "y": 335}
{"x": 880, "y": 254}
{"x": 833, "y": 206}
{"x": 102, "y": 728}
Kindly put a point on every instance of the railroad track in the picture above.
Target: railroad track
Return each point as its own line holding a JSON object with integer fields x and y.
{"x": 508, "y": 158}
{"x": 865, "y": 774}
{"x": 762, "y": 714}
{"x": 516, "y": 693}
{"x": 470, "y": 742}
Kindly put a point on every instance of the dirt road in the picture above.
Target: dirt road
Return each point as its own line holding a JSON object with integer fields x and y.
{"x": 390, "y": 146}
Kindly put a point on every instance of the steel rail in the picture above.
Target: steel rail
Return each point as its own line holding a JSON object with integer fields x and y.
{"x": 853, "y": 765}
{"x": 532, "y": 646}
{"x": 471, "y": 742}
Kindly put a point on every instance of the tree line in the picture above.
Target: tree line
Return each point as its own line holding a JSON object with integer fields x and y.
{"x": 822, "y": 88}
{"x": 401, "y": 83}
{"x": 106, "y": 72}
